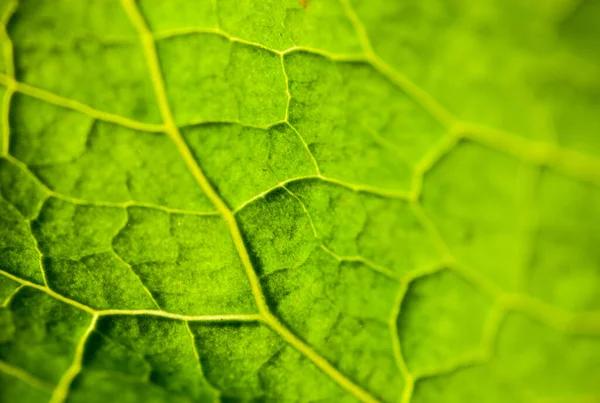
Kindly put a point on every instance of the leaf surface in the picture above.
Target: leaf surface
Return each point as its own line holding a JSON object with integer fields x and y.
{"x": 312, "y": 201}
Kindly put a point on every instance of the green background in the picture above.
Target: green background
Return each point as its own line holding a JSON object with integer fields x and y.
{"x": 312, "y": 201}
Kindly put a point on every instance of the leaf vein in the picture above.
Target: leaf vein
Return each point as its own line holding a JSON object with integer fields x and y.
{"x": 152, "y": 61}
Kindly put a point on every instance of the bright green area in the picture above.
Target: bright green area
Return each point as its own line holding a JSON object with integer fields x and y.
{"x": 527, "y": 67}
{"x": 494, "y": 220}
{"x": 567, "y": 238}
{"x": 307, "y": 232}
{"x": 540, "y": 226}
{"x": 523, "y": 372}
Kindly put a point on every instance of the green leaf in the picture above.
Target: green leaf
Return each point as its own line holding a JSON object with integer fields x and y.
{"x": 299, "y": 200}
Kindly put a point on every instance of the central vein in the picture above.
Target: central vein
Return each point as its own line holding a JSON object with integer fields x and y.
{"x": 172, "y": 131}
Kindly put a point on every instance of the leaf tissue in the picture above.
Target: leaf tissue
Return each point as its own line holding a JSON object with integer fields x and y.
{"x": 299, "y": 201}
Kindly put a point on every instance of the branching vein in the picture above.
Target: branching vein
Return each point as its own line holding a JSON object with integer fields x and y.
{"x": 173, "y": 132}
{"x": 540, "y": 154}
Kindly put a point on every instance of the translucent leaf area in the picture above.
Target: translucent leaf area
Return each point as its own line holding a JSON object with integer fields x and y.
{"x": 299, "y": 201}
